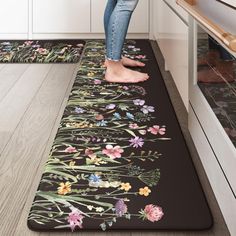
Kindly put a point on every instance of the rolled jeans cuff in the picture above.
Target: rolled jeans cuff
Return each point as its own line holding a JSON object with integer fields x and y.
{"x": 112, "y": 59}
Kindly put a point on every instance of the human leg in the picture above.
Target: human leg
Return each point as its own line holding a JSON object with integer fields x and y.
{"x": 111, "y": 4}
{"x": 107, "y": 14}
{"x": 116, "y": 33}
{"x": 117, "y": 28}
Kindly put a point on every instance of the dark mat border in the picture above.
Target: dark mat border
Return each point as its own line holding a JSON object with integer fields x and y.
{"x": 208, "y": 225}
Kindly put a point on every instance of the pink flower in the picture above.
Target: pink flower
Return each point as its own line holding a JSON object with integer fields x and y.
{"x": 133, "y": 126}
{"x": 152, "y": 213}
{"x": 97, "y": 81}
{"x": 75, "y": 218}
{"x": 113, "y": 152}
{"x": 42, "y": 51}
{"x": 156, "y": 129}
{"x": 70, "y": 150}
{"x": 28, "y": 42}
{"x": 90, "y": 153}
{"x": 140, "y": 57}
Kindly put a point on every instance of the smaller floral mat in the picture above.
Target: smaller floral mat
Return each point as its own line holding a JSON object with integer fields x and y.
{"x": 41, "y": 51}
{"x": 119, "y": 160}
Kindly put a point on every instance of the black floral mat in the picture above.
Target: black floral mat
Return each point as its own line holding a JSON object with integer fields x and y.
{"x": 119, "y": 160}
{"x": 40, "y": 51}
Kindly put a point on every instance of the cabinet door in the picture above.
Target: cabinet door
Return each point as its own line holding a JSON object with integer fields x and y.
{"x": 172, "y": 37}
{"x": 139, "y": 22}
{"x": 14, "y": 16}
{"x": 61, "y": 16}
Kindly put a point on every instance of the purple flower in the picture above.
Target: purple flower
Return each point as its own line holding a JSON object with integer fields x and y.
{"x": 110, "y": 106}
{"x": 146, "y": 109}
{"x": 121, "y": 208}
{"x": 136, "y": 142}
{"x": 126, "y": 88}
{"x": 79, "y": 110}
{"x": 139, "y": 102}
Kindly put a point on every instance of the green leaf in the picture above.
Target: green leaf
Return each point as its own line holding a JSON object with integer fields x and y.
{"x": 130, "y": 132}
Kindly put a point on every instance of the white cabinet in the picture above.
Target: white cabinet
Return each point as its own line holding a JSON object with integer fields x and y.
{"x": 13, "y": 16}
{"x": 50, "y": 19}
{"x": 139, "y": 22}
{"x": 171, "y": 34}
{"x": 61, "y": 16}
{"x": 178, "y": 9}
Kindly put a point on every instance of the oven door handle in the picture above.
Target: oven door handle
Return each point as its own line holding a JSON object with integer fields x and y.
{"x": 227, "y": 38}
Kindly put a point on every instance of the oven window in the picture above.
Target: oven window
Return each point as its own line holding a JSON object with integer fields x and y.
{"x": 216, "y": 75}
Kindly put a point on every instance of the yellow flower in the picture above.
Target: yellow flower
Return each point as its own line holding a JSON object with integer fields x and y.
{"x": 125, "y": 186}
{"x": 144, "y": 191}
{"x": 72, "y": 163}
{"x": 64, "y": 188}
{"x": 90, "y": 74}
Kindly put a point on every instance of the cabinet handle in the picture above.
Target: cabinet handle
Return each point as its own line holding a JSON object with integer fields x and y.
{"x": 227, "y": 38}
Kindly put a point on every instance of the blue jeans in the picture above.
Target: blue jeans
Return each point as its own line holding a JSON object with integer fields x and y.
{"x": 116, "y": 22}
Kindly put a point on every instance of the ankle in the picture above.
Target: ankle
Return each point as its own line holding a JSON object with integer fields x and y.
{"x": 114, "y": 65}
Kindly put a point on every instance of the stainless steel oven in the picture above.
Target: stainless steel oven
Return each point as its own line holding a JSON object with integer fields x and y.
{"x": 229, "y": 2}
{"x": 212, "y": 96}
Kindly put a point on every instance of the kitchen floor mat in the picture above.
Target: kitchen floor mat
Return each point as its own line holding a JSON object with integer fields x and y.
{"x": 119, "y": 160}
{"x": 40, "y": 51}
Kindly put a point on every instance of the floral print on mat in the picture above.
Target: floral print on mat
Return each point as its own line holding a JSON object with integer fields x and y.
{"x": 97, "y": 170}
{"x": 40, "y": 51}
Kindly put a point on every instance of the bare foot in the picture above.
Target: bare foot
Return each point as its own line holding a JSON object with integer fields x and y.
{"x": 117, "y": 73}
{"x": 129, "y": 62}
{"x": 132, "y": 63}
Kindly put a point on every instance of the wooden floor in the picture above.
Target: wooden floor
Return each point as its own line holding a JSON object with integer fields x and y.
{"x": 32, "y": 100}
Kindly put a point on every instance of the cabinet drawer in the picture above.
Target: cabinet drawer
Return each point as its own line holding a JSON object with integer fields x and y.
{"x": 139, "y": 22}
{"x": 14, "y": 17}
{"x": 61, "y": 16}
{"x": 172, "y": 37}
{"x": 216, "y": 176}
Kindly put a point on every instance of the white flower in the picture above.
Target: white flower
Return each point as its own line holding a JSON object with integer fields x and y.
{"x": 99, "y": 209}
{"x": 104, "y": 184}
{"x": 90, "y": 207}
{"x": 115, "y": 184}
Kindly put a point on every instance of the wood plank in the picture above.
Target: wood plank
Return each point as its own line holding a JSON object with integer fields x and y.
{"x": 20, "y": 160}
{"x": 18, "y": 99}
{"x": 1, "y": 66}
{"x": 21, "y": 226}
{"x": 9, "y": 74}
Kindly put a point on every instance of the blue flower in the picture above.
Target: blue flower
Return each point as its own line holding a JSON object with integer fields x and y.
{"x": 117, "y": 116}
{"x": 130, "y": 116}
{"x": 79, "y": 110}
{"x": 93, "y": 178}
{"x": 102, "y": 123}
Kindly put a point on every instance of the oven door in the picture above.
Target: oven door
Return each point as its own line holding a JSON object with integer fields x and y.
{"x": 213, "y": 97}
